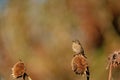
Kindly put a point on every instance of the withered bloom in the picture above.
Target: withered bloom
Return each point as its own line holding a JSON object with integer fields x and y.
{"x": 79, "y": 64}
{"x": 19, "y": 70}
{"x": 114, "y": 59}
{"x": 79, "y": 61}
{"x": 113, "y": 62}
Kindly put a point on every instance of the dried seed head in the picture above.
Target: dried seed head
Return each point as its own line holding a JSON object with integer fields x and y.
{"x": 113, "y": 62}
{"x": 114, "y": 59}
{"x": 79, "y": 64}
{"x": 18, "y": 69}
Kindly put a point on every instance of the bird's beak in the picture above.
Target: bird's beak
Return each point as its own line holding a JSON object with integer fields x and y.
{"x": 73, "y": 41}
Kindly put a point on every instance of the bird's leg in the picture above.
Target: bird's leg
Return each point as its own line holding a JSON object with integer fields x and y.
{"x": 75, "y": 55}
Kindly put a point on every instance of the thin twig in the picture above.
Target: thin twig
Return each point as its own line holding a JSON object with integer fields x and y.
{"x": 110, "y": 71}
{"x": 29, "y": 78}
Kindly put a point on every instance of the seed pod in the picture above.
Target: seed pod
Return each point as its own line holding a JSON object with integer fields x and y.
{"x": 114, "y": 59}
{"x": 18, "y": 69}
{"x": 79, "y": 64}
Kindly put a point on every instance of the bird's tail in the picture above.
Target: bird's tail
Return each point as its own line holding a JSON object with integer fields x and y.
{"x": 26, "y": 77}
{"x": 88, "y": 74}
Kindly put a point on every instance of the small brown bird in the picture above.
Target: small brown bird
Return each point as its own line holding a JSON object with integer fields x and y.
{"x": 79, "y": 61}
{"x": 19, "y": 70}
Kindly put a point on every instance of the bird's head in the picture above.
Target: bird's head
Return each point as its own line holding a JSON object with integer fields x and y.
{"x": 77, "y": 47}
{"x": 76, "y": 42}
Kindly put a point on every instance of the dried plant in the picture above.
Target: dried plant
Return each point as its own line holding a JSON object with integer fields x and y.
{"x": 19, "y": 71}
{"x": 79, "y": 61}
{"x": 113, "y": 62}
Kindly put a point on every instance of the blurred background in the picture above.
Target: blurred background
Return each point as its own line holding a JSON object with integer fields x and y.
{"x": 40, "y": 33}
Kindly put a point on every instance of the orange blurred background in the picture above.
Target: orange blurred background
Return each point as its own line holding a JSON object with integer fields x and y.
{"x": 40, "y": 32}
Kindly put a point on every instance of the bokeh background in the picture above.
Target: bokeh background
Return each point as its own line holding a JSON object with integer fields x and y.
{"x": 40, "y": 32}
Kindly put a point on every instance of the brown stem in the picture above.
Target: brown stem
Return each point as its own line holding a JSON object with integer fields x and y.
{"x": 29, "y": 78}
{"x": 110, "y": 71}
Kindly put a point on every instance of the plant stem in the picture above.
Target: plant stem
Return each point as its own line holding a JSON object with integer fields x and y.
{"x": 110, "y": 71}
{"x": 29, "y": 78}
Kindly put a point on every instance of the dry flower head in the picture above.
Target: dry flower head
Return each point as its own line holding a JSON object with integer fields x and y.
{"x": 114, "y": 59}
{"x": 18, "y": 69}
{"x": 79, "y": 64}
{"x": 113, "y": 62}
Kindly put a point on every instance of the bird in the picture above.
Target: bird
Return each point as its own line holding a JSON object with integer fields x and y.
{"x": 77, "y": 48}
{"x": 19, "y": 70}
{"x": 79, "y": 61}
